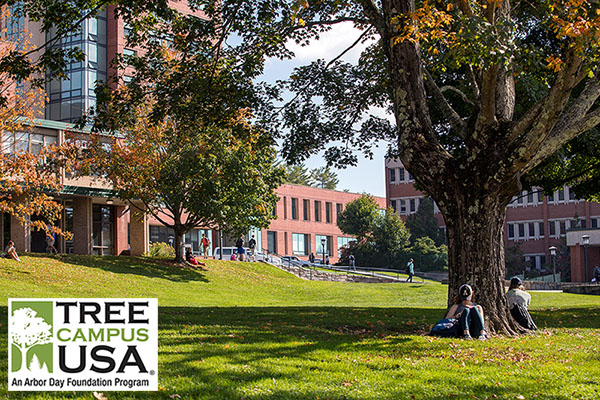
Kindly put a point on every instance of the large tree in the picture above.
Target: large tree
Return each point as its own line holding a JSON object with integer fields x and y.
{"x": 324, "y": 178}
{"x": 450, "y": 73}
{"x": 184, "y": 143}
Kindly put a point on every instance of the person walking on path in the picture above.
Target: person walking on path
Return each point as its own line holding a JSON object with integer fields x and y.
{"x": 240, "y": 248}
{"x": 326, "y": 260}
{"x": 311, "y": 258}
{"x": 352, "y": 262}
{"x": 252, "y": 247}
{"x": 205, "y": 245}
{"x": 410, "y": 269}
{"x": 50, "y": 240}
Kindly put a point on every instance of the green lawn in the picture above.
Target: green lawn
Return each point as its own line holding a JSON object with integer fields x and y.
{"x": 242, "y": 330}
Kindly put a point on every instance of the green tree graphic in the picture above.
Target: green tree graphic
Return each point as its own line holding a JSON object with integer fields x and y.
{"x": 27, "y": 331}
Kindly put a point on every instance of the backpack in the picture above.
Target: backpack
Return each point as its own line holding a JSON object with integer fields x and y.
{"x": 447, "y": 327}
{"x": 239, "y": 243}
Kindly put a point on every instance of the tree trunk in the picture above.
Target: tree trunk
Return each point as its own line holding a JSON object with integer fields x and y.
{"x": 179, "y": 246}
{"x": 24, "y": 358}
{"x": 476, "y": 255}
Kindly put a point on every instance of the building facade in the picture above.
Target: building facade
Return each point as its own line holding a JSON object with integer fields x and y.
{"x": 533, "y": 221}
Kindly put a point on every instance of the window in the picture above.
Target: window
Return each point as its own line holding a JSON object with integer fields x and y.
{"x": 393, "y": 205}
{"x": 26, "y": 142}
{"x": 561, "y": 195}
{"x": 102, "y": 229}
{"x": 401, "y": 174}
{"x": 402, "y": 206}
{"x": 521, "y": 231}
{"x": 328, "y": 212}
{"x": 511, "y": 231}
{"x": 300, "y": 244}
{"x": 306, "y": 209}
{"x": 410, "y": 177}
{"x": 294, "y": 208}
{"x": 551, "y": 198}
{"x": 572, "y": 195}
{"x": 552, "y": 228}
{"x": 541, "y": 229}
{"x": 343, "y": 241}
{"x": 338, "y": 210}
{"x": 129, "y": 52}
{"x": 413, "y": 206}
{"x": 594, "y": 222}
{"x": 529, "y": 197}
{"x": 319, "y": 248}
{"x": 563, "y": 228}
{"x": 392, "y": 175}
{"x": 284, "y": 207}
{"x": 272, "y": 242}
{"x": 317, "y": 211}
{"x": 531, "y": 229}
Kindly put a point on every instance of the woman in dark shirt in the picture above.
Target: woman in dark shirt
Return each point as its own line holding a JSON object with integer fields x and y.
{"x": 469, "y": 314}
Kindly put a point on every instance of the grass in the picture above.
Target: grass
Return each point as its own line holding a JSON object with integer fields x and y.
{"x": 244, "y": 330}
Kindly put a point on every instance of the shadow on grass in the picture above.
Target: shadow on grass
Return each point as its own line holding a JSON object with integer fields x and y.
{"x": 148, "y": 267}
{"x": 227, "y": 352}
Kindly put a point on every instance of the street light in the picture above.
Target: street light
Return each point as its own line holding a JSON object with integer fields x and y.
{"x": 323, "y": 247}
{"x": 586, "y": 243}
{"x": 553, "y": 254}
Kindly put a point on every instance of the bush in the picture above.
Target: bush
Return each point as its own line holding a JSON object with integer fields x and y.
{"x": 160, "y": 250}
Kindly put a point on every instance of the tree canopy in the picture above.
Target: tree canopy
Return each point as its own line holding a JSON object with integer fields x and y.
{"x": 324, "y": 178}
{"x": 359, "y": 217}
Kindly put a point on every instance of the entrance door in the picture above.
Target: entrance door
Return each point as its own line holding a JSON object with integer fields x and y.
{"x": 38, "y": 238}
{"x": 102, "y": 229}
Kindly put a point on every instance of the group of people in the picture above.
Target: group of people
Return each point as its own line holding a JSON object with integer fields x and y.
{"x": 311, "y": 259}
{"x": 469, "y": 316}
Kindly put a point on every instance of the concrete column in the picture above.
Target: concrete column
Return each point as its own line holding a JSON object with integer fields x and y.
{"x": 20, "y": 235}
{"x": 139, "y": 232}
{"x": 82, "y": 225}
{"x": 577, "y": 264}
{"x": 121, "y": 217}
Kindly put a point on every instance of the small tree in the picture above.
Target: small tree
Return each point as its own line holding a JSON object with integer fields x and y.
{"x": 359, "y": 217}
{"x": 298, "y": 175}
{"x": 28, "y": 330}
{"x": 424, "y": 224}
{"x": 324, "y": 178}
{"x": 390, "y": 234}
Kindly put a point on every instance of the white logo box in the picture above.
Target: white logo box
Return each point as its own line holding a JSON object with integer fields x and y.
{"x": 81, "y": 344}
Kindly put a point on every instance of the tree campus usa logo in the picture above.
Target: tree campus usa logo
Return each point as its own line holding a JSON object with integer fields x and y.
{"x": 82, "y": 344}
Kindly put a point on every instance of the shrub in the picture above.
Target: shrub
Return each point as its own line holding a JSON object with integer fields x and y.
{"x": 160, "y": 250}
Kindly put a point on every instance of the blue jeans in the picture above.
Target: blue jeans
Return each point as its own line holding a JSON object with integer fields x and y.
{"x": 471, "y": 322}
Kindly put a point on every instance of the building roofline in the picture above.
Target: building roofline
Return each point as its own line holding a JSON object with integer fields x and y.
{"x": 332, "y": 190}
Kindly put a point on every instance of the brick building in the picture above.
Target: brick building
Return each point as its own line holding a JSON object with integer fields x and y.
{"x": 534, "y": 221}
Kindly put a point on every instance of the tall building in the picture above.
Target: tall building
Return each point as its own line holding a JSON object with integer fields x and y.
{"x": 533, "y": 221}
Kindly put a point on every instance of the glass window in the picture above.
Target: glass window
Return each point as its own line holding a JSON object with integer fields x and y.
{"x": 36, "y": 143}
{"x": 306, "y": 209}
{"x": 511, "y": 231}
{"x": 551, "y": 197}
{"x": 530, "y": 197}
{"x": 319, "y": 245}
{"x": 563, "y": 228}
{"x": 401, "y": 175}
{"x": 393, "y": 205}
{"x": 8, "y": 142}
{"x": 392, "y": 175}
{"x": 561, "y": 195}
{"x": 328, "y": 212}
{"x": 541, "y": 229}
{"x": 531, "y": 230}
{"x": 552, "y": 228}
{"x": 594, "y": 222}
{"x": 317, "y": 211}
{"x": 21, "y": 142}
{"x": 402, "y": 206}
{"x": 343, "y": 241}
{"x": 299, "y": 244}
{"x": 92, "y": 53}
{"x": 413, "y": 206}
{"x": 272, "y": 242}
{"x": 571, "y": 195}
{"x": 294, "y": 208}
{"x": 521, "y": 230}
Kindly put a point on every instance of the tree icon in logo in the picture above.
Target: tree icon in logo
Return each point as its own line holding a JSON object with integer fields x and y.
{"x": 27, "y": 331}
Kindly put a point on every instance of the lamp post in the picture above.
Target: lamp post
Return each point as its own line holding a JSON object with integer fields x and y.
{"x": 323, "y": 247}
{"x": 553, "y": 254}
{"x": 586, "y": 243}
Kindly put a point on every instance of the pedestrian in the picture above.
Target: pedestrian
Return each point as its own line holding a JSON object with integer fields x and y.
{"x": 518, "y": 303}
{"x": 311, "y": 258}
{"x": 352, "y": 261}
{"x": 50, "y": 240}
{"x": 233, "y": 257}
{"x": 410, "y": 270}
{"x": 252, "y": 247}
{"x": 205, "y": 245}
{"x": 240, "y": 248}
{"x": 327, "y": 260}
{"x": 597, "y": 273}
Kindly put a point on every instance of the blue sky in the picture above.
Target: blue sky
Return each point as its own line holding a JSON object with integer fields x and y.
{"x": 368, "y": 176}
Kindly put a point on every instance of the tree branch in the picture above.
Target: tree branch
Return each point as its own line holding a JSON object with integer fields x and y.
{"x": 374, "y": 15}
{"x": 456, "y": 90}
{"x": 455, "y": 120}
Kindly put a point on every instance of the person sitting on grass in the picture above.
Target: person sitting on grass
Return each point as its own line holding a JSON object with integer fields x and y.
{"x": 189, "y": 257}
{"x": 11, "y": 251}
{"x": 470, "y": 315}
{"x": 233, "y": 256}
{"x": 518, "y": 303}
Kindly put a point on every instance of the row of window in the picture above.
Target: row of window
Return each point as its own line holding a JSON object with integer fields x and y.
{"x": 323, "y": 244}
{"x": 536, "y": 197}
{"x": 535, "y": 261}
{"x": 527, "y": 230}
{"x": 406, "y": 205}
{"x": 26, "y": 142}
{"x": 400, "y": 175}
{"x": 317, "y": 210}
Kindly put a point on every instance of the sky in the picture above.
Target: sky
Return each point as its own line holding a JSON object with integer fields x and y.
{"x": 369, "y": 175}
